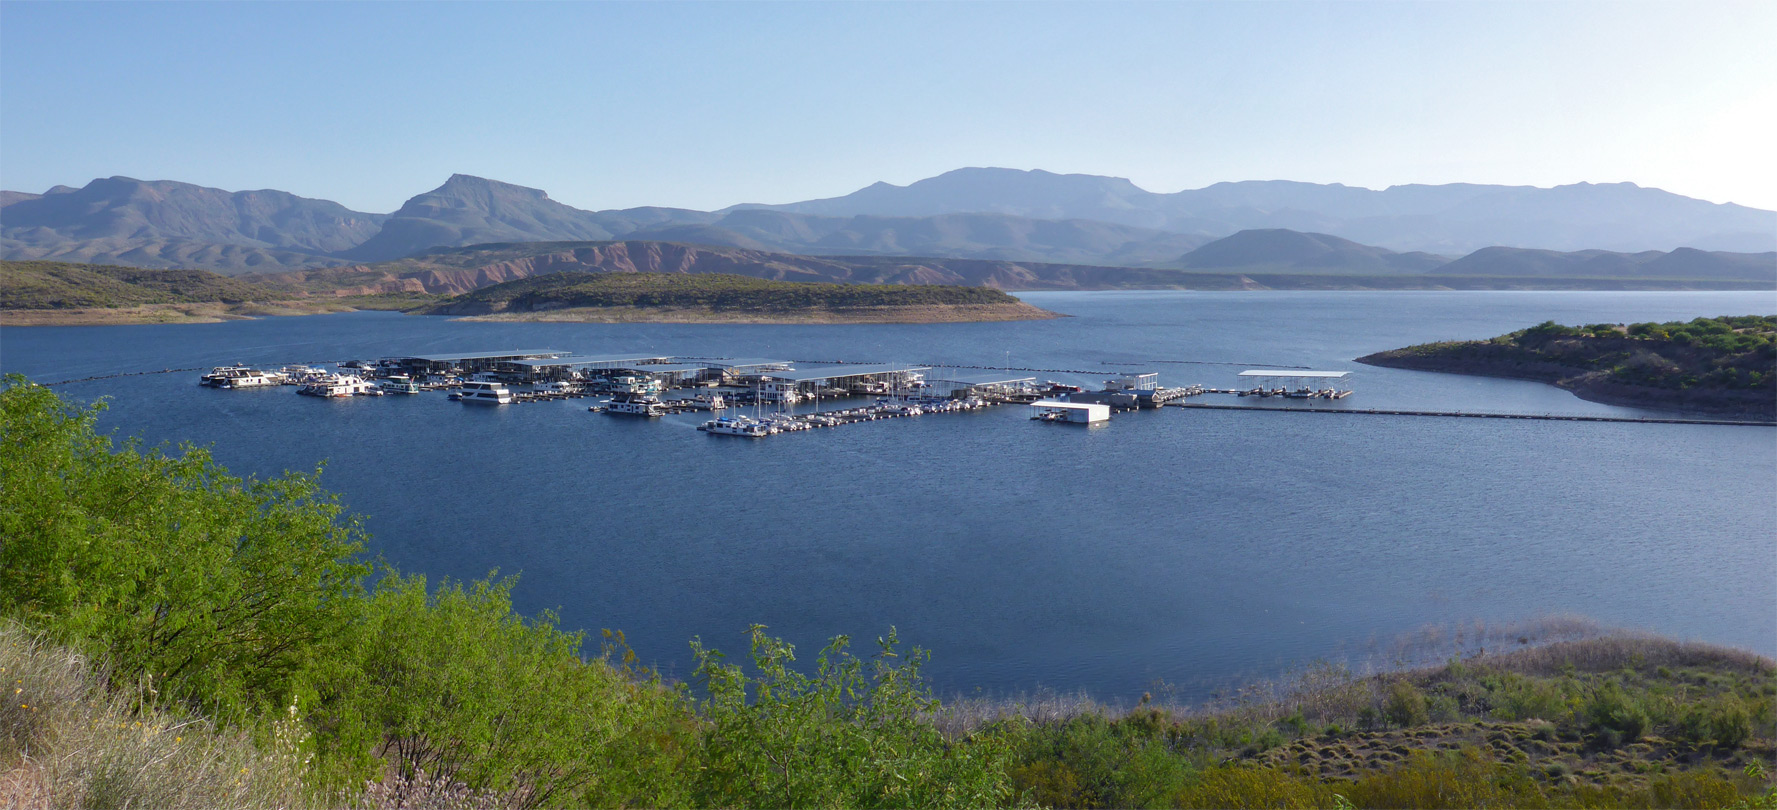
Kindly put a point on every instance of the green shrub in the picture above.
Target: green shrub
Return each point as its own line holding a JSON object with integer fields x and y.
{"x": 845, "y": 736}
{"x": 220, "y": 590}
{"x": 1517, "y": 697}
{"x": 1247, "y": 787}
{"x": 1406, "y": 705}
{"x": 1615, "y": 713}
{"x": 1691, "y": 790}
{"x": 455, "y": 685}
{"x": 1461, "y": 779}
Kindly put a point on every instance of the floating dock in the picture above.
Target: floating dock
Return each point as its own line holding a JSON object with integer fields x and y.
{"x": 1480, "y": 415}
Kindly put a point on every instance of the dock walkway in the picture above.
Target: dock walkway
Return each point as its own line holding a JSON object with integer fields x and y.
{"x": 1480, "y": 415}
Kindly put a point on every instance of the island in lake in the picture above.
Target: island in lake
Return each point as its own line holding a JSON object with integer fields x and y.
{"x": 1722, "y": 366}
{"x": 726, "y": 298}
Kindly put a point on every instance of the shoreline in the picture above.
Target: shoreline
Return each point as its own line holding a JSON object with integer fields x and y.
{"x": 1577, "y": 382}
{"x": 930, "y": 313}
{"x": 169, "y": 313}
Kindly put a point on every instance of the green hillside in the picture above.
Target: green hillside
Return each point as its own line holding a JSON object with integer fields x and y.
{"x": 63, "y": 285}
{"x": 715, "y": 291}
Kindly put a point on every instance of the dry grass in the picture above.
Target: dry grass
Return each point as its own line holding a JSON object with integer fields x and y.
{"x": 1619, "y": 651}
{"x": 1325, "y": 692}
{"x": 71, "y": 741}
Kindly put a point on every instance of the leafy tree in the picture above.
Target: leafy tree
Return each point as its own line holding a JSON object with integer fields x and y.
{"x": 224, "y": 590}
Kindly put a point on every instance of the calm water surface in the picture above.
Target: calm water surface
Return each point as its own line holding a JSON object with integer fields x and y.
{"x": 1188, "y": 547}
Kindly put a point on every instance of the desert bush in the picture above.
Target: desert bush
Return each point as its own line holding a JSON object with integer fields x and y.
{"x": 1690, "y": 790}
{"x": 846, "y": 735}
{"x": 1406, "y": 705}
{"x": 1461, "y": 779}
{"x": 1516, "y": 697}
{"x": 451, "y": 683}
{"x": 1613, "y": 712}
{"x": 1247, "y": 787}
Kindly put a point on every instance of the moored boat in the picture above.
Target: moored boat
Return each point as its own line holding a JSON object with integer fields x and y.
{"x": 636, "y": 405}
{"x": 336, "y": 386}
{"x": 485, "y": 393}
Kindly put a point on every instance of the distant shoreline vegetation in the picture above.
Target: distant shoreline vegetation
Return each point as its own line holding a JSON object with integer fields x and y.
{"x": 1725, "y": 365}
{"x": 722, "y": 297}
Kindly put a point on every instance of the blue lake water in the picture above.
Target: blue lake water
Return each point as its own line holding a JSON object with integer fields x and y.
{"x": 1190, "y": 547}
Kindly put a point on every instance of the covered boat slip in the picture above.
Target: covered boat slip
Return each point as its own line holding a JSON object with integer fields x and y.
{"x": 1082, "y": 413}
{"x": 863, "y": 378}
{"x": 1297, "y": 384}
{"x": 951, "y": 382}
{"x": 468, "y": 361}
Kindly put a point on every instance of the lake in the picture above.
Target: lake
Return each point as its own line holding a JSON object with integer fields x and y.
{"x": 1192, "y": 548}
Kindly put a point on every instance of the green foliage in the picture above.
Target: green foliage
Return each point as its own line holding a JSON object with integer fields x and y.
{"x": 1093, "y": 761}
{"x": 718, "y": 291}
{"x": 1406, "y": 705}
{"x": 1248, "y": 787}
{"x": 452, "y": 683}
{"x": 64, "y": 285}
{"x": 223, "y": 589}
{"x": 1612, "y": 711}
{"x": 1517, "y": 697}
{"x": 848, "y": 735}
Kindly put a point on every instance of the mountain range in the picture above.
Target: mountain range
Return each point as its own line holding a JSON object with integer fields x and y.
{"x": 997, "y": 215}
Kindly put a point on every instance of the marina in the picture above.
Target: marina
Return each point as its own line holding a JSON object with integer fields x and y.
{"x": 651, "y": 386}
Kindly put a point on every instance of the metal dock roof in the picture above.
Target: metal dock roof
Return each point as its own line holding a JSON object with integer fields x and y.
{"x": 978, "y": 378}
{"x": 814, "y": 373}
{"x": 493, "y": 355}
{"x": 1331, "y": 375}
{"x": 592, "y": 360}
{"x": 747, "y": 362}
{"x": 669, "y": 368}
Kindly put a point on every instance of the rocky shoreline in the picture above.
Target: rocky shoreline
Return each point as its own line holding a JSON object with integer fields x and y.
{"x": 1483, "y": 359}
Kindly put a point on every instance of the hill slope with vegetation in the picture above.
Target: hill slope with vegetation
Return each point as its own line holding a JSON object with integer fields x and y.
{"x": 63, "y": 285}
{"x": 64, "y": 293}
{"x": 720, "y": 296}
{"x": 176, "y": 637}
{"x": 1725, "y": 366}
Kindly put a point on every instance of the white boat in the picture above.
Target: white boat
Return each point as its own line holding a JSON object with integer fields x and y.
{"x": 736, "y": 426}
{"x": 299, "y": 375}
{"x": 337, "y": 385}
{"x": 636, "y": 405}
{"x": 485, "y": 393}
{"x": 398, "y": 385}
{"x": 239, "y": 377}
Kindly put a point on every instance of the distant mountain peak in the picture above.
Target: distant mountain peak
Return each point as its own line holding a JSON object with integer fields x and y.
{"x": 481, "y": 185}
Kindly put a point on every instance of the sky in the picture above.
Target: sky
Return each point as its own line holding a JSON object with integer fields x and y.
{"x": 613, "y": 105}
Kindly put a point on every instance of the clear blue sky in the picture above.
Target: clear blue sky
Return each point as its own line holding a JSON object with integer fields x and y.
{"x": 612, "y": 105}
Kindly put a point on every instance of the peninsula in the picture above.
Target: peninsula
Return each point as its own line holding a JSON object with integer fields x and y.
{"x": 725, "y": 298}
{"x": 1720, "y": 366}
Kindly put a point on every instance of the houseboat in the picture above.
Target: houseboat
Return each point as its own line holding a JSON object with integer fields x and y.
{"x": 337, "y": 385}
{"x": 636, "y": 405}
{"x": 485, "y": 392}
{"x": 238, "y": 377}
